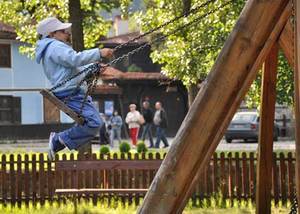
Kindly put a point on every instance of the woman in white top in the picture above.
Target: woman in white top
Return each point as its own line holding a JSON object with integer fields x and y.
{"x": 132, "y": 119}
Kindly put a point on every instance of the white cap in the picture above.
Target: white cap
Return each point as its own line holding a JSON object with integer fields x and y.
{"x": 51, "y": 24}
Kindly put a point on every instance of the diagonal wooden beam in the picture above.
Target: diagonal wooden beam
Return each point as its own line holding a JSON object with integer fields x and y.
{"x": 265, "y": 146}
{"x": 256, "y": 31}
{"x": 286, "y": 42}
{"x": 296, "y": 51}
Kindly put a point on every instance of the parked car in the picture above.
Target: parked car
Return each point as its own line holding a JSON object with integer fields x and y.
{"x": 245, "y": 125}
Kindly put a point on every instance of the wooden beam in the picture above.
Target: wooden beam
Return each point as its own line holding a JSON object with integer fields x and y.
{"x": 297, "y": 94}
{"x": 265, "y": 146}
{"x": 286, "y": 42}
{"x": 60, "y": 105}
{"x": 215, "y": 104}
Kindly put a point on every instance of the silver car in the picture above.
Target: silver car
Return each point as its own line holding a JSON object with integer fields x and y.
{"x": 245, "y": 126}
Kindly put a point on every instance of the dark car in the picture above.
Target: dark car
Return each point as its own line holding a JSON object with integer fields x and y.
{"x": 245, "y": 126}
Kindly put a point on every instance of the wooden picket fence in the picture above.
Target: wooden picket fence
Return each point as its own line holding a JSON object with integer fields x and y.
{"x": 31, "y": 178}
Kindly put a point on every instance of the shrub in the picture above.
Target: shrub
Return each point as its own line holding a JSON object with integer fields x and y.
{"x": 124, "y": 147}
{"x": 141, "y": 148}
{"x": 104, "y": 150}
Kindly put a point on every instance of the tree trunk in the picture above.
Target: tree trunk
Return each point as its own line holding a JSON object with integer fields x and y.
{"x": 192, "y": 93}
{"x": 76, "y": 18}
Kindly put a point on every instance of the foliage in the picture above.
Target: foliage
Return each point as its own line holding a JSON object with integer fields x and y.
{"x": 190, "y": 54}
{"x": 141, "y": 148}
{"x": 24, "y": 16}
{"x": 124, "y": 147}
{"x": 104, "y": 150}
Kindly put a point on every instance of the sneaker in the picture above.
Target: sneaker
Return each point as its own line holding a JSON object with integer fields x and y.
{"x": 51, "y": 151}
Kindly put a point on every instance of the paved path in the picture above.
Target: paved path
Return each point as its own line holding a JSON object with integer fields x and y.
{"x": 42, "y": 146}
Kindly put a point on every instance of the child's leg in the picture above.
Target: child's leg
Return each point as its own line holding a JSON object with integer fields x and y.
{"x": 76, "y": 136}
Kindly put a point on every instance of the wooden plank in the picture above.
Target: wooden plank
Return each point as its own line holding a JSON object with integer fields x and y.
{"x": 42, "y": 179}
{"x": 238, "y": 176}
{"x": 27, "y": 179}
{"x": 34, "y": 179}
{"x": 51, "y": 112}
{"x": 12, "y": 177}
{"x": 265, "y": 146}
{"x": 245, "y": 176}
{"x": 4, "y": 179}
{"x": 283, "y": 179}
{"x": 275, "y": 178}
{"x": 107, "y": 164}
{"x": 60, "y": 105}
{"x": 215, "y": 105}
{"x": 50, "y": 181}
{"x": 286, "y": 42}
{"x": 95, "y": 191}
{"x": 252, "y": 177}
{"x": 291, "y": 176}
{"x": 296, "y": 49}
{"x": 20, "y": 180}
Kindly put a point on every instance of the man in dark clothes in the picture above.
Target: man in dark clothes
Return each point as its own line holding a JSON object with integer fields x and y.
{"x": 148, "y": 116}
{"x": 161, "y": 122}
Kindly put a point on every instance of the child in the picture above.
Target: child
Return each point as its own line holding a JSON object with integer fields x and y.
{"x": 60, "y": 62}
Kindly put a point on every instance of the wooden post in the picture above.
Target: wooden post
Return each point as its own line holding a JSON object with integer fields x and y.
{"x": 215, "y": 104}
{"x": 286, "y": 42}
{"x": 297, "y": 94}
{"x": 265, "y": 147}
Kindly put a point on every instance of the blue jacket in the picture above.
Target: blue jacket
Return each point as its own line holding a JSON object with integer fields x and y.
{"x": 116, "y": 122}
{"x": 60, "y": 61}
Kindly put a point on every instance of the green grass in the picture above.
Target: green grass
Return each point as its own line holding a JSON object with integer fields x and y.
{"x": 102, "y": 208}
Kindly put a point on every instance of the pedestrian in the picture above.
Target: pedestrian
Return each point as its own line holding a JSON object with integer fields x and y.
{"x": 61, "y": 62}
{"x": 161, "y": 122}
{"x": 104, "y": 136}
{"x": 133, "y": 118}
{"x": 147, "y": 126}
{"x": 116, "y": 126}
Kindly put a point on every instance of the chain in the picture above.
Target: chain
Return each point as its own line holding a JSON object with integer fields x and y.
{"x": 93, "y": 71}
{"x": 192, "y": 11}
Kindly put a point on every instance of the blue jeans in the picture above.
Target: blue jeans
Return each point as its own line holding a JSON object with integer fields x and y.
{"x": 161, "y": 135}
{"x": 147, "y": 130}
{"x": 78, "y": 135}
{"x": 115, "y": 132}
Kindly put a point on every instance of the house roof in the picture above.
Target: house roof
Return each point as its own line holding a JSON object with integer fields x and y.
{"x": 124, "y": 38}
{"x": 114, "y": 74}
{"x": 7, "y": 31}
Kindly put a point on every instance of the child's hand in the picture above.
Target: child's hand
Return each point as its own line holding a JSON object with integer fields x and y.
{"x": 106, "y": 52}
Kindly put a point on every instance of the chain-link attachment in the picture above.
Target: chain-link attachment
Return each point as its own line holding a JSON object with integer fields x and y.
{"x": 93, "y": 71}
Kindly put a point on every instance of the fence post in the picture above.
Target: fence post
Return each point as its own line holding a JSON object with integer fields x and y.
{"x": 12, "y": 179}
{"x": 20, "y": 180}
{"x": 4, "y": 179}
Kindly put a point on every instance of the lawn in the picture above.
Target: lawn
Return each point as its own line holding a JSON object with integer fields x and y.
{"x": 88, "y": 208}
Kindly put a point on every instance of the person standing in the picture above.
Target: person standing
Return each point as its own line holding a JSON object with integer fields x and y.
{"x": 132, "y": 119}
{"x": 161, "y": 122}
{"x": 116, "y": 125}
{"x": 148, "y": 116}
{"x": 60, "y": 62}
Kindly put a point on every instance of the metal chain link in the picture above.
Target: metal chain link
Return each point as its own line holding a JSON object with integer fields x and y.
{"x": 192, "y": 11}
{"x": 96, "y": 69}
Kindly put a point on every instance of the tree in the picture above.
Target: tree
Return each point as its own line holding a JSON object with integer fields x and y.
{"x": 190, "y": 54}
{"x": 88, "y": 24}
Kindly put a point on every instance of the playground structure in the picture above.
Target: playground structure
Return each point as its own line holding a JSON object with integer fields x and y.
{"x": 262, "y": 28}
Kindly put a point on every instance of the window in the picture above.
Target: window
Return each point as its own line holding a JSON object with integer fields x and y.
{"x": 10, "y": 110}
{"x": 5, "y": 56}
